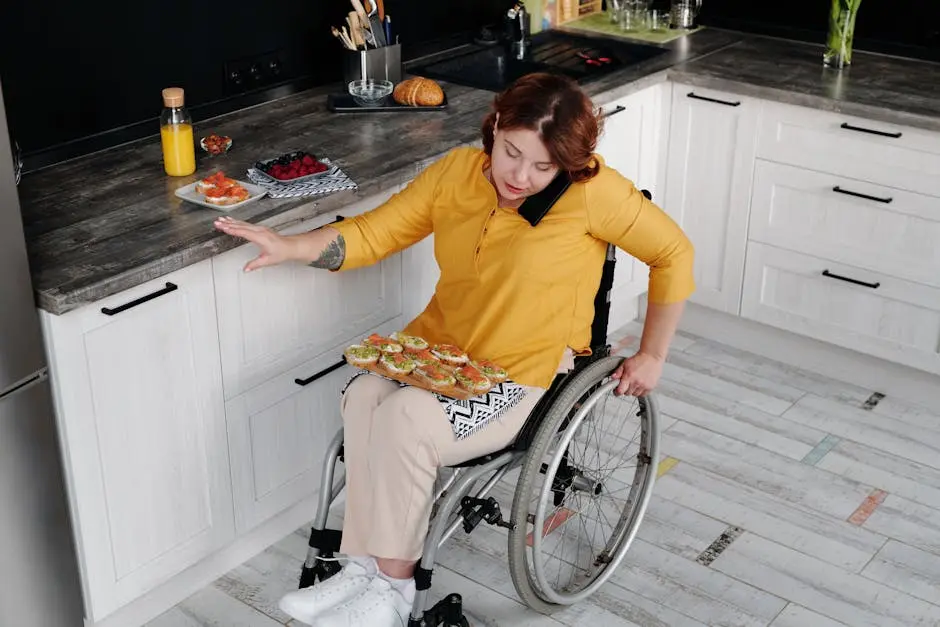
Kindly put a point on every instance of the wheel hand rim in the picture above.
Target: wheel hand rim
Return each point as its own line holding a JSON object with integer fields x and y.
{"x": 637, "y": 511}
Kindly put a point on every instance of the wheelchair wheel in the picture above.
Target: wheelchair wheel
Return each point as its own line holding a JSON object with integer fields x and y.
{"x": 583, "y": 489}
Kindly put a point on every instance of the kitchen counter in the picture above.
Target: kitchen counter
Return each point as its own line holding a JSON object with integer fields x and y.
{"x": 889, "y": 89}
{"x": 107, "y": 222}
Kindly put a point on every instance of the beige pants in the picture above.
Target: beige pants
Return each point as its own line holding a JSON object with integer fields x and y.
{"x": 395, "y": 440}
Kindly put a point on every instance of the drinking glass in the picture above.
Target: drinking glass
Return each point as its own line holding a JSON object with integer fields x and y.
{"x": 633, "y": 16}
{"x": 659, "y": 20}
{"x": 613, "y": 10}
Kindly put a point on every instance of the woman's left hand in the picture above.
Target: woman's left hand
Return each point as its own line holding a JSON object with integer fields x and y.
{"x": 639, "y": 374}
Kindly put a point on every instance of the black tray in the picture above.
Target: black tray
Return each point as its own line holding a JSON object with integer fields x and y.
{"x": 344, "y": 103}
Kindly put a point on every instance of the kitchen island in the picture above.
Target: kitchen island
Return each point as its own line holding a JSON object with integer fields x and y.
{"x": 194, "y": 401}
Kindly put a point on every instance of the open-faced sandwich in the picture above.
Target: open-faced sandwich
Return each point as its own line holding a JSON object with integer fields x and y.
{"x": 361, "y": 355}
{"x": 472, "y": 380}
{"x": 422, "y": 357}
{"x": 492, "y": 371}
{"x": 450, "y": 355}
{"x": 398, "y": 363}
{"x": 410, "y": 341}
{"x": 436, "y": 376}
{"x": 384, "y": 344}
{"x": 224, "y": 196}
{"x": 214, "y": 181}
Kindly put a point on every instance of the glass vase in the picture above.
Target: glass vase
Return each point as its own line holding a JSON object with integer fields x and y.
{"x": 838, "y": 52}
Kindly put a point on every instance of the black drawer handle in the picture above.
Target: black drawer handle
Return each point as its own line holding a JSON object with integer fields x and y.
{"x": 615, "y": 111}
{"x": 873, "y": 286}
{"x": 860, "y": 129}
{"x": 692, "y": 94}
{"x": 860, "y": 195}
{"x": 170, "y": 287}
{"x": 321, "y": 374}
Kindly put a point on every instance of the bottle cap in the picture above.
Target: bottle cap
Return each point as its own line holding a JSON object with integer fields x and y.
{"x": 173, "y": 97}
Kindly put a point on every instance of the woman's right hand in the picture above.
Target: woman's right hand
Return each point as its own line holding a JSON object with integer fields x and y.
{"x": 274, "y": 248}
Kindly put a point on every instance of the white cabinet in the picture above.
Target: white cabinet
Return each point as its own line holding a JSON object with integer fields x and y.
{"x": 629, "y": 141}
{"x": 277, "y": 318}
{"x": 282, "y": 331}
{"x": 138, "y": 390}
{"x": 419, "y": 276}
{"x": 708, "y": 180}
{"x": 631, "y": 144}
{"x": 279, "y": 433}
{"x": 848, "y": 306}
{"x": 843, "y": 232}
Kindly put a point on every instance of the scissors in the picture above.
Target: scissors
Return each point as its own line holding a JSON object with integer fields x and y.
{"x": 590, "y": 60}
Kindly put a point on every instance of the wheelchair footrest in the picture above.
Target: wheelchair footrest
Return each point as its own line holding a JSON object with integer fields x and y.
{"x": 308, "y": 577}
{"x": 320, "y": 571}
{"x": 448, "y": 612}
{"x": 327, "y": 540}
{"x": 474, "y": 511}
{"x": 327, "y": 543}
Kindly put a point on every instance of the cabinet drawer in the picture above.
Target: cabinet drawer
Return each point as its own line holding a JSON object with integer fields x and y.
{"x": 876, "y": 314}
{"x": 279, "y": 432}
{"x": 279, "y": 317}
{"x": 877, "y": 228}
{"x": 876, "y": 152}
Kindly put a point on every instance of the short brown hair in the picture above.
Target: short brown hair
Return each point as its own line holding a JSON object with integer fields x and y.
{"x": 555, "y": 107}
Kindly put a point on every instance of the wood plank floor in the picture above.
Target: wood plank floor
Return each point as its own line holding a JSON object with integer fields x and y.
{"x": 835, "y": 503}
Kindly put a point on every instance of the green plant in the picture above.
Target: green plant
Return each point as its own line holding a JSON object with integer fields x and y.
{"x": 841, "y": 33}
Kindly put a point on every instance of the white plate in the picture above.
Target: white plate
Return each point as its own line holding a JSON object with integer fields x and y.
{"x": 190, "y": 194}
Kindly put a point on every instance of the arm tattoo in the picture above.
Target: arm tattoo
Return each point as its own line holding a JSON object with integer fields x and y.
{"x": 332, "y": 256}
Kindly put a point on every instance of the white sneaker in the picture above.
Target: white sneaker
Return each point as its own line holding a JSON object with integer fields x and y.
{"x": 379, "y": 605}
{"x": 307, "y": 604}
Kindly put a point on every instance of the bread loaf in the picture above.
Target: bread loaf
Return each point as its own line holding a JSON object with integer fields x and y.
{"x": 418, "y": 92}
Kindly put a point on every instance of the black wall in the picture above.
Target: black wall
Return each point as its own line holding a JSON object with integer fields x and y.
{"x": 72, "y": 70}
{"x": 80, "y": 76}
{"x": 903, "y": 27}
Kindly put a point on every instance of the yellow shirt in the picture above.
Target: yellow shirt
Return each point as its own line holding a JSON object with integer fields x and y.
{"x": 510, "y": 292}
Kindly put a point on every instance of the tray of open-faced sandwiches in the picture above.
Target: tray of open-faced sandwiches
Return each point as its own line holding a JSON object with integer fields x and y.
{"x": 441, "y": 368}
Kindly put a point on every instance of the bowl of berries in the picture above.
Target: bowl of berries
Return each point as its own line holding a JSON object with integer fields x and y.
{"x": 293, "y": 167}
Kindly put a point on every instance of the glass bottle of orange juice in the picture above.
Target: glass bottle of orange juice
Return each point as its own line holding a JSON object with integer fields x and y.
{"x": 176, "y": 135}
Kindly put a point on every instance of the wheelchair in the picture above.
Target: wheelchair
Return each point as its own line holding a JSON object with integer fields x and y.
{"x": 569, "y": 465}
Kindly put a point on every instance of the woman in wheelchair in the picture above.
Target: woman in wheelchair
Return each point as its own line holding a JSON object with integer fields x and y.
{"x": 521, "y": 231}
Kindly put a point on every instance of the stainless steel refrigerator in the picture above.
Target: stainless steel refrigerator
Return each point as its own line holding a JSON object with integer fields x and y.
{"x": 39, "y": 585}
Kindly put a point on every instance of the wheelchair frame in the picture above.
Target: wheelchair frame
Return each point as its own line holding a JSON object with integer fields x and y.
{"x": 458, "y": 508}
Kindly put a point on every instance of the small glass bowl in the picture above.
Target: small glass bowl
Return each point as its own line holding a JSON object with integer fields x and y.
{"x": 369, "y": 92}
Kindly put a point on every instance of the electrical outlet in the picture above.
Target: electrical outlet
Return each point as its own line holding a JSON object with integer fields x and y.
{"x": 258, "y": 71}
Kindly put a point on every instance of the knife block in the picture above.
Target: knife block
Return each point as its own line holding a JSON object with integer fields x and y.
{"x": 376, "y": 63}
